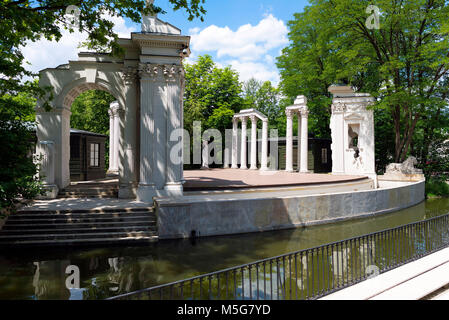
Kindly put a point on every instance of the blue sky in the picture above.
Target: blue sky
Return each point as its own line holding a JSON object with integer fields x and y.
{"x": 246, "y": 34}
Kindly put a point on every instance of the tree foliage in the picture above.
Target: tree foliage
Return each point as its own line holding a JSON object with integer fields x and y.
{"x": 90, "y": 111}
{"x": 17, "y": 166}
{"x": 405, "y": 63}
{"x": 264, "y": 97}
{"x": 212, "y": 94}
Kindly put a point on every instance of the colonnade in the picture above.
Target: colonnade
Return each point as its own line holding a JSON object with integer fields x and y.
{"x": 300, "y": 109}
{"x": 243, "y": 117}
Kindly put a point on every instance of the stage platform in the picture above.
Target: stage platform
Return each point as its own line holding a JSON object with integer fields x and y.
{"x": 235, "y": 179}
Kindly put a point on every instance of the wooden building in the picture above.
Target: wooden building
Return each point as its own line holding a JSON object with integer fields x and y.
{"x": 320, "y": 157}
{"x": 87, "y": 155}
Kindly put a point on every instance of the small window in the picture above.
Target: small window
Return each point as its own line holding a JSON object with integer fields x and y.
{"x": 324, "y": 156}
{"x": 94, "y": 155}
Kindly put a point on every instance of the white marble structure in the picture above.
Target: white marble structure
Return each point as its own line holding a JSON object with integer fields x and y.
{"x": 114, "y": 131}
{"x": 148, "y": 84}
{"x": 352, "y": 126}
{"x": 300, "y": 109}
{"x": 46, "y": 150}
{"x": 254, "y": 116}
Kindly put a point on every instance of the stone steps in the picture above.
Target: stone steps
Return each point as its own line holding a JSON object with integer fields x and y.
{"x": 89, "y": 191}
{"x": 78, "y": 227}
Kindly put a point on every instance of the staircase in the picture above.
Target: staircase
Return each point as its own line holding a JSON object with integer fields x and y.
{"x": 80, "y": 227}
{"x": 104, "y": 189}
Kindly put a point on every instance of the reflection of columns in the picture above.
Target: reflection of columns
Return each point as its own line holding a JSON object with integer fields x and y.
{"x": 253, "y": 142}
{"x": 243, "y": 149}
{"x": 235, "y": 122}
{"x": 304, "y": 141}
{"x": 264, "y": 160}
{"x": 289, "y": 143}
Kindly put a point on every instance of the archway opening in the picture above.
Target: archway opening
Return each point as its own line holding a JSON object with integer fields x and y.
{"x": 90, "y": 129}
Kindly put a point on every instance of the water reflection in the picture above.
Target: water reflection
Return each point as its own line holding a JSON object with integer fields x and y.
{"x": 106, "y": 272}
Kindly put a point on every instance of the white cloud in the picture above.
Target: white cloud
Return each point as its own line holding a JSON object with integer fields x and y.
{"x": 49, "y": 54}
{"x": 247, "y": 43}
{"x": 258, "y": 70}
{"x": 248, "y": 49}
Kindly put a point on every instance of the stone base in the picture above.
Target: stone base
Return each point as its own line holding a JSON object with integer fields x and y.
{"x": 51, "y": 192}
{"x": 111, "y": 173}
{"x": 174, "y": 190}
{"x": 127, "y": 192}
{"x": 402, "y": 177}
{"x": 146, "y": 193}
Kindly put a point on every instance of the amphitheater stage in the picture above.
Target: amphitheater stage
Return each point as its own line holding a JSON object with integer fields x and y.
{"x": 235, "y": 179}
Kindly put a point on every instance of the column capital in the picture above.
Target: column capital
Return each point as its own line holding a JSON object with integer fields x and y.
{"x": 289, "y": 113}
{"x": 253, "y": 118}
{"x": 115, "y": 110}
{"x": 304, "y": 113}
{"x": 130, "y": 75}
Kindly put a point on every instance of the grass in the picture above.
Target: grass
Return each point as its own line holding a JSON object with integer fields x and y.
{"x": 436, "y": 189}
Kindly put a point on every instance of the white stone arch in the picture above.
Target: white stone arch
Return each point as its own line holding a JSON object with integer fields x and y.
{"x": 66, "y": 83}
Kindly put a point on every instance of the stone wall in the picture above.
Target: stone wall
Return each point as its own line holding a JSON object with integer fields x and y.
{"x": 213, "y": 218}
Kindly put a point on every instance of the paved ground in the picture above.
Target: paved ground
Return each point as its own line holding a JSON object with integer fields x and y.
{"x": 199, "y": 180}
{"x": 234, "y": 179}
{"x": 84, "y": 204}
{"x": 417, "y": 280}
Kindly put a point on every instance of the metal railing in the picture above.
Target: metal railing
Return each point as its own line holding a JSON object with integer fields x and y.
{"x": 311, "y": 273}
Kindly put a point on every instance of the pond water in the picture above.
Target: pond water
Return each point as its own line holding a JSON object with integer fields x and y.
{"x": 106, "y": 272}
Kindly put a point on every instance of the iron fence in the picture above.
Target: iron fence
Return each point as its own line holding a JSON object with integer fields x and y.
{"x": 311, "y": 273}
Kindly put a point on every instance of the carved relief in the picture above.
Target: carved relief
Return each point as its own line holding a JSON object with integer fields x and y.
{"x": 162, "y": 72}
{"x": 338, "y": 107}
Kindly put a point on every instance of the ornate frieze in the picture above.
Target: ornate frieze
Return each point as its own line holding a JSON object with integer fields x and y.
{"x": 158, "y": 72}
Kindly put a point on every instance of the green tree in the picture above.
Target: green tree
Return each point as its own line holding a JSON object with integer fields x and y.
{"x": 90, "y": 111}
{"x": 17, "y": 168}
{"x": 212, "y": 95}
{"x": 405, "y": 63}
{"x": 263, "y": 97}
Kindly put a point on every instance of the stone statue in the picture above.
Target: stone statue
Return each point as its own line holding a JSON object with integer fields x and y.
{"x": 407, "y": 167}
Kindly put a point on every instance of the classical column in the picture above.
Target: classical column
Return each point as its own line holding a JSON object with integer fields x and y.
{"x": 299, "y": 141}
{"x": 304, "y": 141}
{"x": 148, "y": 90}
{"x": 111, "y": 139}
{"x": 243, "y": 164}
{"x": 116, "y": 137}
{"x": 264, "y": 160}
{"x": 253, "y": 143}
{"x": 235, "y": 131}
{"x": 289, "y": 142}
